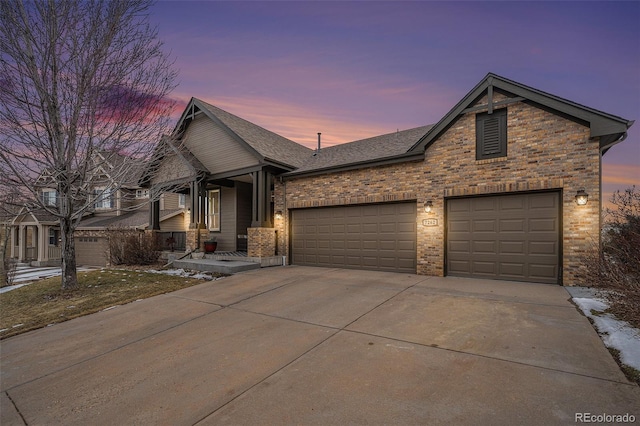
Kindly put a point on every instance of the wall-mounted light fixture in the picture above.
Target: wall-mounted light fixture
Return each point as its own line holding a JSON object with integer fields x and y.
{"x": 428, "y": 206}
{"x": 582, "y": 197}
{"x": 279, "y": 214}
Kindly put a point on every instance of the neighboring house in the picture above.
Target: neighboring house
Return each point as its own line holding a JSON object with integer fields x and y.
{"x": 489, "y": 191}
{"x": 118, "y": 202}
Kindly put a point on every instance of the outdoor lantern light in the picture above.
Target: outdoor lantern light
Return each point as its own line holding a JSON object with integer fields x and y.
{"x": 428, "y": 206}
{"x": 279, "y": 214}
{"x": 582, "y": 197}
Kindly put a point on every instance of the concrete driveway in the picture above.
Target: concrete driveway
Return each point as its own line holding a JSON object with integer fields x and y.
{"x": 300, "y": 345}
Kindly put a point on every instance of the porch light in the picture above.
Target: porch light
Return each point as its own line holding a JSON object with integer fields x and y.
{"x": 582, "y": 197}
{"x": 279, "y": 214}
{"x": 428, "y": 206}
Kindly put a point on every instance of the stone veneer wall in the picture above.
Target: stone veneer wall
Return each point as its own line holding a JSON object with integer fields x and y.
{"x": 544, "y": 151}
{"x": 191, "y": 239}
{"x": 261, "y": 242}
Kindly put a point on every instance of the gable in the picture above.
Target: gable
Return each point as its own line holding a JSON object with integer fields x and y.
{"x": 215, "y": 148}
{"x": 609, "y": 128}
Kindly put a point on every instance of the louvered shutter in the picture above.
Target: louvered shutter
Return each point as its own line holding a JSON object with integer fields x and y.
{"x": 491, "y": 135}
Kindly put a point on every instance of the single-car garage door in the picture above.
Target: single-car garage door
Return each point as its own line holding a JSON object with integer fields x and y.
{"x": 510, "y": 237}
{"x": 91, "y": 251}
{"x": 372, "y": 236}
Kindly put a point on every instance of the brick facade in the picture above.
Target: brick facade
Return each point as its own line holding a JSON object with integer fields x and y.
{"x": 544, "y": 152}
{"x": 261, "y": 242}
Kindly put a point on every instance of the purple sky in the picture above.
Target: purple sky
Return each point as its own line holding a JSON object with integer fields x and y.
{"x": 357, "y": 69}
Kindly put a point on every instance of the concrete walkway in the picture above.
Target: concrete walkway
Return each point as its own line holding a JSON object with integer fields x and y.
{"x": 298, "y": 345}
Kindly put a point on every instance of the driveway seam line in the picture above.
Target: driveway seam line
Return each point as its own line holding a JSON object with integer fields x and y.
{"x": 265, "y": 378}
{"x": 338, "y": 330}
{"x": 17, "y": 409}
{"x": 111, "y": 350}
{"x": 487, "y": 357}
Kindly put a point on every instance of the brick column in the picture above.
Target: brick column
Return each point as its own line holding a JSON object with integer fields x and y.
{"x": 261, "y": 242}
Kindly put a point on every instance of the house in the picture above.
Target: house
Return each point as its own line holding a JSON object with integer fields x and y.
{"x": 489, "y": 191}
{"x": 505, "y": 186}
{"x": 116, "y": 201}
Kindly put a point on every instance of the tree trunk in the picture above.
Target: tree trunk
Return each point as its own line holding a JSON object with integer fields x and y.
{"x": 4, "y": 275}
{"x": 69, "y": 272}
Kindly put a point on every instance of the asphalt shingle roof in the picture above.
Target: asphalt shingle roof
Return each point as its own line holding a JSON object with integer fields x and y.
{"x": 268, "y": 144}
{"x": 370, "y": 149}
{"x": 128, "y": 220}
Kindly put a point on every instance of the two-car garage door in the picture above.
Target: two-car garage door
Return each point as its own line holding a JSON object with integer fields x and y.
{"x": 369, "y": 236}
{"x": 510, "y": 237}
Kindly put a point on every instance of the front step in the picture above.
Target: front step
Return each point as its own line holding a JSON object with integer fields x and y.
{"x": 211, "y": 265}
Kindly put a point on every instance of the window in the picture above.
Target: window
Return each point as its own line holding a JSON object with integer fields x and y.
{"x": 104, "y": 198}
{"x": 49, "y": 197}
{"x": 182, "y": 201}
{"x": 53, "y": 237}
{"x": 213, "y": 210}
{"x": 491, "y": 134}
{"x": 142, "y": 193}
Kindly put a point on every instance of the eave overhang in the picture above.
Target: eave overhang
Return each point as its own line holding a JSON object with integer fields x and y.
{"x": 401, "y": 158}
{"x": 609, "y": 128}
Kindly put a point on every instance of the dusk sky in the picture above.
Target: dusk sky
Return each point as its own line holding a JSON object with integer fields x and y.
{"x": 352, "y": 70}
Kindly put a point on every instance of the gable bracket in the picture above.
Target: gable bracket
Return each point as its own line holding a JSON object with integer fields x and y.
{"x": 496, "y": 104}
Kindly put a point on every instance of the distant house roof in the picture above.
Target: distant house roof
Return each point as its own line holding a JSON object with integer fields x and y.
{"x": 266, "y": 144}
{"x": 137, "y": 219}
{"x": 370, "y": 150}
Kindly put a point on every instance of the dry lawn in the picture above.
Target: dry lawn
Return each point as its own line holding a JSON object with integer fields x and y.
{"x": 43, "y": 302}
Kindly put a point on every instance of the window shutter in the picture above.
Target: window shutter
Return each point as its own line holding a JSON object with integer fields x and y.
{"x": 491, "y": 135}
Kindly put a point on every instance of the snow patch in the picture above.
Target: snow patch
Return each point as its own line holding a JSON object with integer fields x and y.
{"x": 187, "y": 274}
{"x": 614, "y": 333}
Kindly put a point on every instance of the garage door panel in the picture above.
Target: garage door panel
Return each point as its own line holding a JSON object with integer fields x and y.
{"x": 525, "y": 245}
{"x": 543, "y": 225}
{"x": 463, "y": 246}
{"x": 513, "y": 203}
{"x": 381, "y": 236}
{"x": 484, "y": 225}
{"x": 512, "y": 247}
{"x": 484, "y": 205}
{"x": 483, "y": 268}
{"x": 543, "y": 201}
{"x": 485, "y": 247}
{"x": 406, "y": 245}
{"x": 512, "y": 269}
{"x": 543, "y": 247}
{"x": 512, "y": 225}
{"x": 459, "y": 225}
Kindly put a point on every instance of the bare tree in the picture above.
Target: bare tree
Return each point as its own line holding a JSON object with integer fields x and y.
{"x": 82, "y": 83}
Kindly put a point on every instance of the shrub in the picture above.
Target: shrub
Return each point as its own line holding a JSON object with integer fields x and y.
{"x": 131, "y": 247}
{"x": 617, "y": 267}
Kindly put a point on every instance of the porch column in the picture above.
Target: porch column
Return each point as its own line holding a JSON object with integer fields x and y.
{"x": 194, "y": 205}
{"x": 43, "y": 246}
{"x": 154, "y": 212}
{"x": 202, "y": 219}
{"x": 12, "y": 241}
{"x": 21, "y": 243}
{"x": 261, "y": 212}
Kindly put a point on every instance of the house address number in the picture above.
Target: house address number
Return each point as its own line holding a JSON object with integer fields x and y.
{"x": 430, "y": 222}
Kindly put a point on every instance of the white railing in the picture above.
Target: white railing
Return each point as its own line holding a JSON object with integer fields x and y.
{"x": 55, "y": 253}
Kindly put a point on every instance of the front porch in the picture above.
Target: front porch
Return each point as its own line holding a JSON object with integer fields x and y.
{"x": 35, "y": 239}
{"x": 228, "y": 262}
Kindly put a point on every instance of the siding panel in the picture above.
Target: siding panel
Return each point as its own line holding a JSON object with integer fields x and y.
{"x": 215, "y": 149}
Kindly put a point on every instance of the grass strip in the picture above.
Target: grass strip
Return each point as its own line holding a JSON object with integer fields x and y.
{"x": 44, "y": 302}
